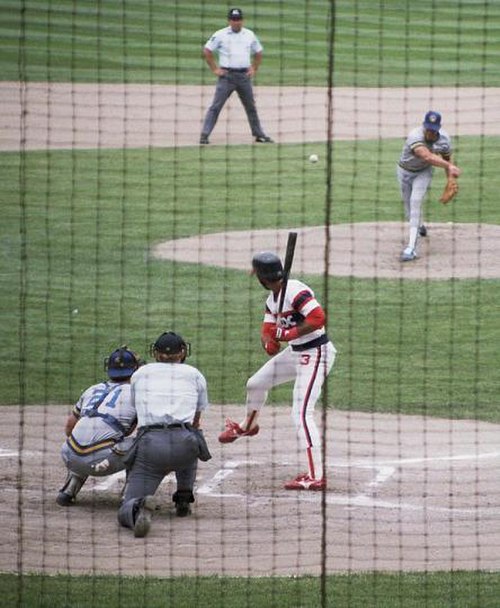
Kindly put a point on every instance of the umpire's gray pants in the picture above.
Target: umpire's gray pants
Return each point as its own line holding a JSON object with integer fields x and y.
{"x": 159, "y": 451}
{"x": 414, "y": 186}
{"x": 226, "y": 85}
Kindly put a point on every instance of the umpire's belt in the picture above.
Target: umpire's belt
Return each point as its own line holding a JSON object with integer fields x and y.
{"x": 84, "y": 450}
{"x": 237, "y": 70}
{"x": 312, "y": 344}
{"x": 174, "y": 425}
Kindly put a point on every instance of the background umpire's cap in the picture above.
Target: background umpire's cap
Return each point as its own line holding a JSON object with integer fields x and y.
{"x": 235, "y": 14}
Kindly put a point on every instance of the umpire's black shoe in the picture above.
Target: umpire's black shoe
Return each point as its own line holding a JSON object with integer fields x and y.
{"x": 422, "y": 230}
{"x": 65, "y": 500}
{"x": 182, "y": 509}
{"x": 204, "y": 140}
{"x": 263, "y": 139}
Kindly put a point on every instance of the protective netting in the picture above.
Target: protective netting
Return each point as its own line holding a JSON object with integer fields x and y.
{"x": 120, "y": 223}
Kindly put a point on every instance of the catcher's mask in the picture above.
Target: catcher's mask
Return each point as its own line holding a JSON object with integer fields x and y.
{"x": 267, "y": 266}
{"x": 121, "y": 363}
{"x": 170, "y": 343}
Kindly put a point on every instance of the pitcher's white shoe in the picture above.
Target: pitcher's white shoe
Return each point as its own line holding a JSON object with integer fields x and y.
{"x": 408, "y": 255}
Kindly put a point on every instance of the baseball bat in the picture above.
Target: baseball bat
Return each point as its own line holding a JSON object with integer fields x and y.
{"x": 290, "y": 251}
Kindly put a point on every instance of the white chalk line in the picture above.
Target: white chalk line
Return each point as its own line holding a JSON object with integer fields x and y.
{"x": 8, "y": 453}
{"x": 383, "y": 473}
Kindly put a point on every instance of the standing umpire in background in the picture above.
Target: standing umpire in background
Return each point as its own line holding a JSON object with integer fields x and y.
{"x": 240, "y": 55}
{"x": 169, "y": 398}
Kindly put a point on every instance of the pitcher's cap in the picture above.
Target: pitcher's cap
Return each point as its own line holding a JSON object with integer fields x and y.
{"x": 432, "y": 121}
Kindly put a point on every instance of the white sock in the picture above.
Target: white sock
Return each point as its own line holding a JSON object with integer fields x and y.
{"x": 413, "y": 237}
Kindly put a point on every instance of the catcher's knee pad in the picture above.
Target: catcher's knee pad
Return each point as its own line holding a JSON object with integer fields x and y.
{"x": 183, "y": 496}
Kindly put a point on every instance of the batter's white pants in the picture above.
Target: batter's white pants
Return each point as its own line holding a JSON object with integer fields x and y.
{"x": 309, "y": 369}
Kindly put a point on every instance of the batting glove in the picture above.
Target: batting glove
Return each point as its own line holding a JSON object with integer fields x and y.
{"x": 285, "y": 335}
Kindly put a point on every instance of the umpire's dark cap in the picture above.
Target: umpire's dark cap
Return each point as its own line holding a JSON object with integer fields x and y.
{"x": 432, "y": 121}
{"x": 235, "y": 14}
{"x": 170, "y": 343}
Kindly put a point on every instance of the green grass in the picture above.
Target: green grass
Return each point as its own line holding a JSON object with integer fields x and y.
{"x": 89, "y": 218}
{"x": 372, "y": 590}
{"x": 390, "y": 43}
{"x": 77, "y": 228}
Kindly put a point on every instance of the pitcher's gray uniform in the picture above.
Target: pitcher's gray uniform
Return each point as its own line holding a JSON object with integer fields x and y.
{"x": 168, "y": 397}
{"x": 424, "y": 147}
{"x": 414, "y": 174}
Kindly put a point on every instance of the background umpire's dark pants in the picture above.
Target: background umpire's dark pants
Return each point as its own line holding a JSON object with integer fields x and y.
{"x": 159, "y": 452}
{"x": 226, "y": 85}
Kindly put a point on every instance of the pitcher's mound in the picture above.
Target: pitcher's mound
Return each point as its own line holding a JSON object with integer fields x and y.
{"x": 365, "y": 250}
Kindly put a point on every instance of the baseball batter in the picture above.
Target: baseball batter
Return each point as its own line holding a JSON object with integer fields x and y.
{"x": 425, "y": 147}
{"x": 169, "y": 397}
{"x": 97, "y": 429}
{"x": 240, "y": 55}
{"x": 307, "y": 359}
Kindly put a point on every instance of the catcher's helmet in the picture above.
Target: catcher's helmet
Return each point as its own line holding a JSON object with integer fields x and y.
{"x": 121, "y": 363}
{"x": 267, "y": 266}
{"x": 170, "y": 343}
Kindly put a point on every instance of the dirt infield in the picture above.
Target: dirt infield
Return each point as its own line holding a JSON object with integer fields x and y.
{"x": 364, "y": 249}
{"x": 405, "y": 493}
{"x": 66, "y": 116}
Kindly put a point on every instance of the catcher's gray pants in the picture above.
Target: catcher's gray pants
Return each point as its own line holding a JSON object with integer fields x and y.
{"x": 414, "y": 186}
{"x": 85, "y": 464}
{"x": 226, "y": 85}
{"x": 159, "y": 451}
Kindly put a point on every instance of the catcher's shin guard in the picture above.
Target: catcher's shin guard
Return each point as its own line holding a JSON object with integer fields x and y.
{"x": 72, "y": 485}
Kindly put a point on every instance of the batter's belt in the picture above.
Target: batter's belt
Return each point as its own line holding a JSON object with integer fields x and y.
{"x": 312, "y": 344}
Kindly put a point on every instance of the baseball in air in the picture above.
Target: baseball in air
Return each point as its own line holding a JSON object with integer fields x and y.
{"x": 313, "y": 158}
{"x": 75, "y": 311}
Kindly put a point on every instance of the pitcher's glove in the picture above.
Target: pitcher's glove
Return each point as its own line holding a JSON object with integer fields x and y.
{"x": 450, "y": 190}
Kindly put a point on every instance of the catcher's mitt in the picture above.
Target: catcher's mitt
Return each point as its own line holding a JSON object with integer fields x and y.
{"x": 450, "y": 190}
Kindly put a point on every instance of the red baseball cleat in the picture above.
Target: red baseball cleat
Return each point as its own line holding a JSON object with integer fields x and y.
{"x": 304, "y": 482}
{"x": 234, "y": 431}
